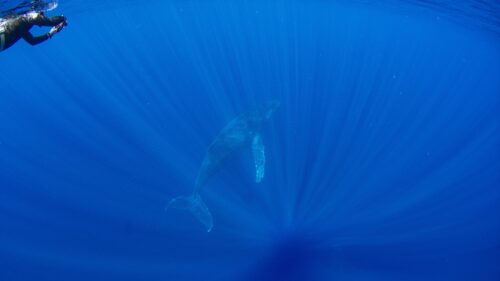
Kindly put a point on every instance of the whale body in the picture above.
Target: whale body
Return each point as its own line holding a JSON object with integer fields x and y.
{"x": 242, "y": 132}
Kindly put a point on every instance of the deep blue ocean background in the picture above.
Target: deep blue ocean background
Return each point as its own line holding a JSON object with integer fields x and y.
{"x": 383, "y": 160}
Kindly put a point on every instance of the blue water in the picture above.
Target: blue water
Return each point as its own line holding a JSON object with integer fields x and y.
{"x": 382, "y": 160}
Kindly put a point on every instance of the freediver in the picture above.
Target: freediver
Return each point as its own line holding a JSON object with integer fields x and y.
{"x": 15, "y": 28}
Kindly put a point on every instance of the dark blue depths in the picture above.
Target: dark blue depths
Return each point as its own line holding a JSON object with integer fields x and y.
{"x": 382, "y": 160}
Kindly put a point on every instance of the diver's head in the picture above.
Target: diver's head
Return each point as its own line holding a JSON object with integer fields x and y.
{"x": 33, "y": 15}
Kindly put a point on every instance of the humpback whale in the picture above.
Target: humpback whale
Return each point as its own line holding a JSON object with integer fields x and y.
{"x": 243, "y": 131}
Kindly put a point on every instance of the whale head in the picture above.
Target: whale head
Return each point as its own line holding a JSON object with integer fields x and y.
{"x": 269, "y": 108}
{"x": 256, "y": 118}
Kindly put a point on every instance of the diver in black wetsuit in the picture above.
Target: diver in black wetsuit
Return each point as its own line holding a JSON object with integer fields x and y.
{"x": 13, "y": 29}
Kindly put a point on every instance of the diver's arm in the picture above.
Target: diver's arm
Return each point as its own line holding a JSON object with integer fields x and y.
{"x": 39, "y": 39}
{"x": 35, "y": 40}
{"x": 46, "y": 21}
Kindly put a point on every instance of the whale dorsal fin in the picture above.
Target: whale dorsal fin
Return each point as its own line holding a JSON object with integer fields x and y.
{"x": 259, "y": 157}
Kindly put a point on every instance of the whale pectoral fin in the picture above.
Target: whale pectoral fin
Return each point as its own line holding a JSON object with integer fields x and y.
{"x": 196, "y": 206}
{"x": 259, "y": 156}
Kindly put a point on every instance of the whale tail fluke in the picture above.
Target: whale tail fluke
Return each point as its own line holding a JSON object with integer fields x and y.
{"x": 196, "y": 206}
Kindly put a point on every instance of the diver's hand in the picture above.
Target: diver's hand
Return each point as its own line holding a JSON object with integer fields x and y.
{"x": 65, "y": 20}
{"x": 55, "y": 29}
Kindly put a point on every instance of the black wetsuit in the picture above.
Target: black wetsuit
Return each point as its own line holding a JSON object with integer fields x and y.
{"x": 19, "y": 27}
